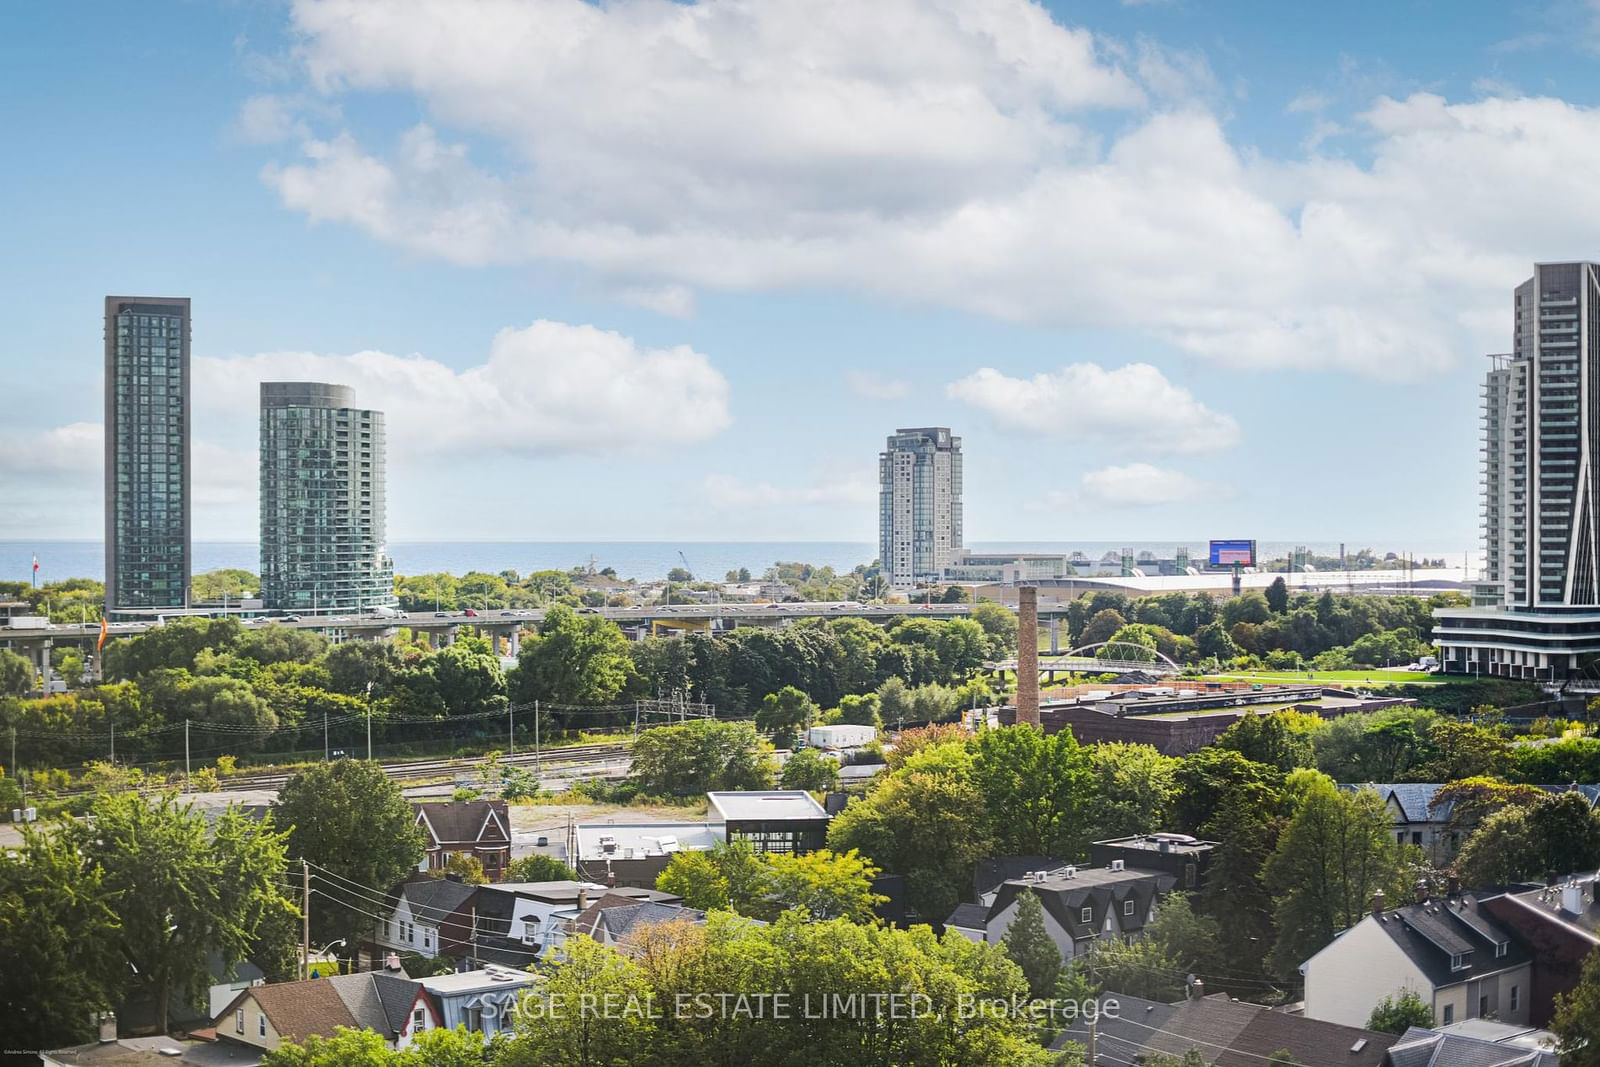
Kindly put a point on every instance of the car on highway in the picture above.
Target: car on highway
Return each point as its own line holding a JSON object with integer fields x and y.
{"x": 470, "y": 613}
{"x": 291, "y": 618}
{"x": 509, "y": 614}
{"x": 441, "y": 614}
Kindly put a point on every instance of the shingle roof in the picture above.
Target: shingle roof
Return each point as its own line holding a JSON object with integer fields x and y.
{"x": 991, "y": 872}
{"x": 431, "y": 899}
{"x": 1066, "y": 896}
{"x": 1430, "y": 934}
{"x": 620, "y": 915}
{"x": 1425, "y": 1048}
{"x": 969, "y": 917}
{"x": 299, "y": 1009}
{"x": 462, "y": 821}
{"x": 1226, "y": 1032}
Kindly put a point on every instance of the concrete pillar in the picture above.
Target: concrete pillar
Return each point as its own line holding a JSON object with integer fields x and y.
{"x": 1055, "y": 635}
{"x": 1028, "y": 654}
{"x": 516, "y": 642}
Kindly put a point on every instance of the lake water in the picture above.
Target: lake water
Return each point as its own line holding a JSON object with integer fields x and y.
{"x": 632, "y": 559}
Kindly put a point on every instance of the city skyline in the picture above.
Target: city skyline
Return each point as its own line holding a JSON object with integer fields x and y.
{"x": 991, "y": 248}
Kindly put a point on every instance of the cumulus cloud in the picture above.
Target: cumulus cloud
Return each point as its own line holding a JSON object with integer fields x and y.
{"x": 873, "y": 386}
{"x": 1134, "y": 406}
{"x": 749, "y": 146}
{"x": 728, "y": 493}
{"x": 548, "y": 388}
{"x": 71, "y": 449}
{"x": 1136, "y": 485}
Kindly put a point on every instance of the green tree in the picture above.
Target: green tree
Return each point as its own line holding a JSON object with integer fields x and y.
{"x": 558, "y": 1030}
{"x": 355, "y": 665}
{"x": 539, "y": 868}
{"x": 1577, "y": 1017}
{"x": 59, "y": 958}
{"x": 1133, "y": 788}
{"x": 467, "y": 867}
{"x": 1567, "y": 830}
{"x": 574, "y": 659}
{"x": 351, "y": 822}
{"x": 999, "y": 625}
{"x": 1028, "y": 944}
{"x": 1037, "y": 790}
{"x": 699, "y": 756}
{"x": 785, "y": 715}
{"x": 828, "y": 885}
{"x": 1277, "y": 595}
{"x": 1212, "y": 641}
{"x": 1190, "y": 940}
{"x": 348, "y": 1047}
{"x": 17, "y": 675}
{"x": 1334, "y": 854}
{"x": 467, "y": 677}
{"x": 810, "y": 770}
{"x": 1283, "y": 739}
{"x": 861, "y": 710}
{"x": 175, "y": 644}
{"x": 182, "y": 890}
{"x": 697, "y": 878}
{"x": 919, "y": 823}
{"x": 1398, "y": 1012}
{"x": 1102, "y": 627}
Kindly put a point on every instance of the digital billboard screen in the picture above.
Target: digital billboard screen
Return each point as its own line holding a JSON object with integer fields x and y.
{"x": 1229, "y": 553}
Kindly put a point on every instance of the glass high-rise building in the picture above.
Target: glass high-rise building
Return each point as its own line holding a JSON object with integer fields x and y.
{"x": 919, "y": 505}
{"x": 1536, "y": 613}
{"x": 147, "y": 472}
{"x": 323, "y": 529}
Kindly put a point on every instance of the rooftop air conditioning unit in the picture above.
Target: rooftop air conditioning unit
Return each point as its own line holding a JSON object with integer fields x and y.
{"x": 1070, "y": 872}
{"x": 1116, "y": 865}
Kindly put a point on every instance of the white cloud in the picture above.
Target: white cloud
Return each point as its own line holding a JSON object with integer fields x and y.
{"x": 268, "y": 119}
{"x": 874, "y": 386}
{"x": 750, "y": 146}
{"x": 548, "y": 388}
{"x": 1137, "y": 485}
{"x": 676, "y": 301}
{"x": 1134, "y": 406}
{"x": 733, "y": 494}
{"x": 71, "y": 449}
{"x": 1308, "y": 102}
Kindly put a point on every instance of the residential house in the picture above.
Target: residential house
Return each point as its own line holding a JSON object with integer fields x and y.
{"x": 1462, "y": 962}
{"x": 1442, "y": 1048}
{"x": 385, "y": 1002}
{"x": 484, "y": 1001}
{"x": 1559, "y": 924}
{"x": 157, "y": 1051}
{"x": 1081, "y": 905}
{"x": 415, "y": 916}
{"x": 774, "y": 820}
{"x": 1421, "y": 817}
{"x": 479, "y": 828}
{"x": 1226, "y": 1032}
{"x": 515, "y": 923}
{"x": 616, "y": 918}
{"x": 1185, "y": 858}
{"x": 635, "y": 853}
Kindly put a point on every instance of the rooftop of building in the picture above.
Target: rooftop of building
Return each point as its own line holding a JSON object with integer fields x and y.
{"x": 1450, "y": 940}
{"x": 472, "y": 981}
{"x": 763, "y": 806}
{"x": 1571, "y": 900}
{"x": 1161, "y": 843}
{"x": 149, "y": 1051}
{"x": 1431, "y": 1048}
{"x": 634, "y": 840}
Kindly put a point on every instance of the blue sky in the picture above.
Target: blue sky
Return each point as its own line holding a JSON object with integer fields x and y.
{"x": 650, "y": 271}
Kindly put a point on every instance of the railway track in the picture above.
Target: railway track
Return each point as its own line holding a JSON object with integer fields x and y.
{"x": 402, "y": 770}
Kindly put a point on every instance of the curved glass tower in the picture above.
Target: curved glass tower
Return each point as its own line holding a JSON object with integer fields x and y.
{"x": 323, "y": 531}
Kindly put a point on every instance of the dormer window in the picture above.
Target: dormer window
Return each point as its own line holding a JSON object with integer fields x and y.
{"x": 1460, "y": 961}
{"x": 1127, "y": 907}
{"x": 1500, "y": 949}
{"x": 1086, "y": 915}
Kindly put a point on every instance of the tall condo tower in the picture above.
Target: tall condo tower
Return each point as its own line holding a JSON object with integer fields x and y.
{"x": 1536, "y": 611}
{"x": 323, "y": 528}
{"x": 147, "y": 447}
{"x": 919, "y": 504}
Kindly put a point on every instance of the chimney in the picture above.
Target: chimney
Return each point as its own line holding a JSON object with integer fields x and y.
{"x": 611, "y": 879}
{"x": 583, "y": 897}
{"x": 107, "y": 1023}
{"x": 453, "y": 878}
{"x": 1197, "y": 988}
{"x": 1028, "y": 654}
{"x": 1452, "y": 886}
{"x": 1422, "y": 890}
{"x": 1377, "y": 902}
{"x": 391, "y": 963}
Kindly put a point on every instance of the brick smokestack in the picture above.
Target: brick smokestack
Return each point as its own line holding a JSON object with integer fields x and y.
{"x": 1028, "y": 654}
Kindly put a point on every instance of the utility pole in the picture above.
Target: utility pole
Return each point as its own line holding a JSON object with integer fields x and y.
{"x": 1094, "y": 1016}
{"x": 12, "y": 766}
{"x": 536, "y": 763}
{"x": 111, "y": 723}
{"x": 369, "y": 722}
{"x": 305, "y": 919}
{"x": 511, "y": 728}
{"x": 635, "y": 721}
{"x": 324, "y": 735}
{"x": 186, "y": 753}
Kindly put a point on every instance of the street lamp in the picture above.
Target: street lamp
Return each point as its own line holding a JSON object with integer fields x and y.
{"x": 323, "y": 951}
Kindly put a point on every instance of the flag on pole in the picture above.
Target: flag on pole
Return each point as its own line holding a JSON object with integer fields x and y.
{"x": 104, "y": 633}
{"x": 36, "y": 570}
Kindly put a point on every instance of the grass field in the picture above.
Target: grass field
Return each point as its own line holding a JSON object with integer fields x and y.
{"x": 1375, "y": 676}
